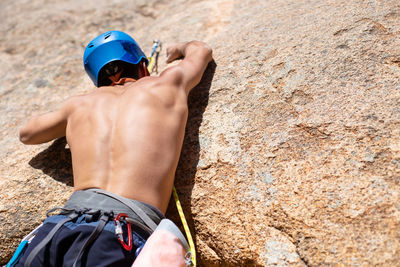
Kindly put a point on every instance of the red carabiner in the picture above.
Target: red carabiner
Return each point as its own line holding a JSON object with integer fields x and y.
{"x": 119, "y": 231}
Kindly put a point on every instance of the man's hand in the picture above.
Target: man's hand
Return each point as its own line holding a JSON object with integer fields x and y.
{"x": 175, "y": 51}
{"x": 196, "y": 56}
{"x": 162, "y": 249}
{"x": 178, "y": 50}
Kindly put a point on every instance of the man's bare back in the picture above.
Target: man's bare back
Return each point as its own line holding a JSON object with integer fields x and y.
{"x": 127, "y": 139}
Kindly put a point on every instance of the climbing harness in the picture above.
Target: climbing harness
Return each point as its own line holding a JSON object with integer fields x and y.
{"x": 121, "y": 221}
{"x": 91, "y": 215}
{"x": 119, "y": 231}
{"x": 134, "y": 207}
{"x": 153, "y": 59}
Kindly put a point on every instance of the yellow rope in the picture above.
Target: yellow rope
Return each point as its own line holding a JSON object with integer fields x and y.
{"x": 185, "y": 225}
{"x": 151, "y": 64}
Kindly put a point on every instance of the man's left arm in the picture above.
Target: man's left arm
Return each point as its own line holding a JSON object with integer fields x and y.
{"x": 46, "y": 127}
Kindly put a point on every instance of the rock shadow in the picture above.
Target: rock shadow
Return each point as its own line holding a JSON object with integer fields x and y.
{"x": 187, "y": 166}
{"x": 55, "y": 161}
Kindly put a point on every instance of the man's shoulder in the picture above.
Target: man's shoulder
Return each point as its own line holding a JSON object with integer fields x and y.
{"x": 167, "y": 80}
{"x": 78, "y": 101}
{"x": 173, "y": 75}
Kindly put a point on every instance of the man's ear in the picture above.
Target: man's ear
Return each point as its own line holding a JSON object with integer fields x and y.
{"x": 143, "y": 71}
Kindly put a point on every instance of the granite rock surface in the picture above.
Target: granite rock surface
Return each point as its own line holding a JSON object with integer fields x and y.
{"x": 292, "y": 149}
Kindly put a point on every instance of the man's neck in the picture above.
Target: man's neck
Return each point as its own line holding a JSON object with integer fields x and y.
{"x": 122, "y": 81}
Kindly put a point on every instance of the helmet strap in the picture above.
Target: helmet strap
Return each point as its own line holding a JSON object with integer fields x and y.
{"x": 143, "y": 71}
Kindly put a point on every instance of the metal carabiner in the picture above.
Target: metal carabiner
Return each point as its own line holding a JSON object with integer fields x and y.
{"x": 153, "y": 59}
{"x": 156, "y": 47}
{"x": 119, "y": 231}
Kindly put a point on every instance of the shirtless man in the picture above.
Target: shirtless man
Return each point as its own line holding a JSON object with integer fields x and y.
{"x": 125, "y": 138}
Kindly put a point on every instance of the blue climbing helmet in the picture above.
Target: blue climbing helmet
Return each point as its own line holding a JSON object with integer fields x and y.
{"x": 112, "y": 50}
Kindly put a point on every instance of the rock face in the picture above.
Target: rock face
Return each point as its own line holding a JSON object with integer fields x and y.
{"x": 292, "y": 152}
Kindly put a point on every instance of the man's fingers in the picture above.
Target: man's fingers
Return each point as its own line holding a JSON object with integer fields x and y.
{"x": 170, "y": 54}
{"x": 174, "y": 51}
{"x": 169, "y": 60}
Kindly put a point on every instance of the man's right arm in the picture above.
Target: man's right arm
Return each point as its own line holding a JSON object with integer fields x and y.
{"x": 187, "y": 74}
{"x": 46, "y": 127}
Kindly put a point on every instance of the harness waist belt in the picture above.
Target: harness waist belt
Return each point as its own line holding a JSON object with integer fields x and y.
{"x": 98, "y": 199}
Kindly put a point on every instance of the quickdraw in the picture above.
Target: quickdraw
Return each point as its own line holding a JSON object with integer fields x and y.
{"x": 119, "y": 231}
{"x": 153, "y": 59}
